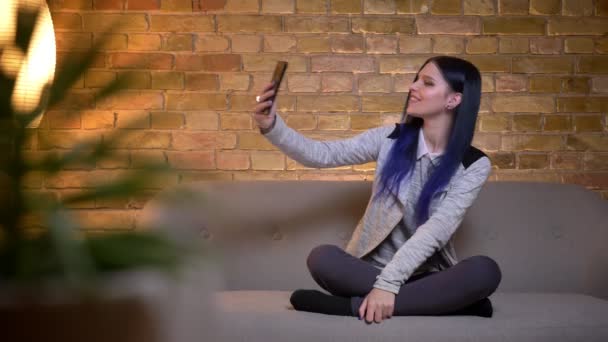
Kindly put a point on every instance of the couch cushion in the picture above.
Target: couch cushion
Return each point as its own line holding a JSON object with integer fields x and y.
{"x": 267, "y": 316}
{"x": 546, "y": 237}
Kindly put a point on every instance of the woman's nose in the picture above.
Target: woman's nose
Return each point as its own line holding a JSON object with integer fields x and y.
{"x": 413, "y": 86}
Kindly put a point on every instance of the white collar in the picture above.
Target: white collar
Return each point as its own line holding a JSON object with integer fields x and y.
{"x": 422, "y": 149}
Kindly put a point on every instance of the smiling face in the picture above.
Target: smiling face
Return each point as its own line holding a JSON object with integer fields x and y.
{"x": 430, "y": 94}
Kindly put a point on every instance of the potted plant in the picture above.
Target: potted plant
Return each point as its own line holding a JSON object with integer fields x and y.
{"x": 62, "y": 285}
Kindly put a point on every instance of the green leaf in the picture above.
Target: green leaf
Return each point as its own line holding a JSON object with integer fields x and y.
{"x": 121, "y": 81}
{"x": 85, "y": 152}
{"x": 76, "y": 263}
{"x": 127, "y": 185}
{"x": 59, "y": 250}
{"x": 75, "y": 66}
{"x": 130, "y": 250}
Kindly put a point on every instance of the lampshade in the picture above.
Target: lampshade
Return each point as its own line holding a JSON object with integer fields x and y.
{"x": 33, "y": 68}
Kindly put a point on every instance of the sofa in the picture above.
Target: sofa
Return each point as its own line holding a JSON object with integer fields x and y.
{"x": 550, "y": 241}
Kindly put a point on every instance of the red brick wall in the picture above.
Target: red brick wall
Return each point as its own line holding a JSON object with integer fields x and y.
{"x": 198, "y": 64}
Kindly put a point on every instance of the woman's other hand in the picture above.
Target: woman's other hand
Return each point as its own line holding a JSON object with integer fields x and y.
{"x": 377, "y": 305}
{"x": 262, "y": 120}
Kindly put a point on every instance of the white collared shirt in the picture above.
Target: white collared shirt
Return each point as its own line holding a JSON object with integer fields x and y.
{"x": 422, "y": 148}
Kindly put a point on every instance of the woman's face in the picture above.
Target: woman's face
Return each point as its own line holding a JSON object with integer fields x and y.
{"x": 430, "y": 94}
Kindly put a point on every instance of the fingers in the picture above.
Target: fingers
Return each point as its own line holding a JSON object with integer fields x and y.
{"x": 369, "y": 316}
{"x": 374, "y": 312}
{"x": 362, "y": 308}
{"x": 268, "y": 87}
{"x": 371, "y": 312}
{"x": 387, "y": 312}
{"x": 267, "y": 92}
{"x": 266, "y": 95}
{"x": 259, "y": 108}
{"x": 265, "y": 100}
{"x": 263, "y": 104}
{"x": 378, "y": 314}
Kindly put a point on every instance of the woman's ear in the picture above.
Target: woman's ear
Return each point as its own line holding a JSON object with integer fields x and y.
{"x": 454, "y": 100}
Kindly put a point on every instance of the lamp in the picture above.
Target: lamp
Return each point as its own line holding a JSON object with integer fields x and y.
{"x": 32, "y": 68}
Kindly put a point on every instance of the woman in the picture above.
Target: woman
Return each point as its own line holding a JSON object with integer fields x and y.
{"x": 400, "y": 259}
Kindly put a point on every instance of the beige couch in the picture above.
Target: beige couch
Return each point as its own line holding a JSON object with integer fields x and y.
{"x": 550, "y": 240}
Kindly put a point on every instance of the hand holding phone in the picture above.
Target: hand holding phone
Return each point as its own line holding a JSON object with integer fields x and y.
{"x": 277, "y": 77}
{"x": 264, "y": 111}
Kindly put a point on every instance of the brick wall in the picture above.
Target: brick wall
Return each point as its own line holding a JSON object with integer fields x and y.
{"x": 197, "y": 65}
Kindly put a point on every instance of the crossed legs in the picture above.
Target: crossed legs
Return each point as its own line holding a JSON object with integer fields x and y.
{"x": 432, "y": 293}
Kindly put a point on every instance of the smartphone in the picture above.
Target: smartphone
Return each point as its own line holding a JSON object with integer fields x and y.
{"x": 277, "y": 77}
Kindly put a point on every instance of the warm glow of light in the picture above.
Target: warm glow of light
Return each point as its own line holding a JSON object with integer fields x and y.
{"x": 37, "y": 68}
{"x": 8, "y": 24}
{"x": 11, "y": 60}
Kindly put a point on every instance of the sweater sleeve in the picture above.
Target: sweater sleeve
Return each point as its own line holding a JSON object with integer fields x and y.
{"x": 359, "y": 149}
{"x": 435, "y": 233}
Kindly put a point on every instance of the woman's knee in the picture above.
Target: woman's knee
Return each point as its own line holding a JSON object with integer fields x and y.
{"x": 488, "y": 272}
{"x": 319, "y": 256}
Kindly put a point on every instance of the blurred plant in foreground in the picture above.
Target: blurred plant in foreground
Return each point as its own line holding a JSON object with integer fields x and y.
{"x": 61, "y": 251}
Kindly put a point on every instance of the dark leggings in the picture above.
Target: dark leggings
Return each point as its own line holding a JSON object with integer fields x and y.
{"x": 431, "y": 293}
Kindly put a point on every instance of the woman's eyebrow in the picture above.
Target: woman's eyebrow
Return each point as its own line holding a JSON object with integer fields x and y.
{"x": 427, "y": 76}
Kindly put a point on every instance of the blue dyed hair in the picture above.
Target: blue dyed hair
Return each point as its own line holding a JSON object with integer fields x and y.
{"x": 463, "y": 77}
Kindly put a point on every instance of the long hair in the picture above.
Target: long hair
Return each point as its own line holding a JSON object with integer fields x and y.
{"x": 463, "y": 77}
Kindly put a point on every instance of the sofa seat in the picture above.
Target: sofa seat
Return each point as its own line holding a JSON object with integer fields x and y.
{"x": 518, "y": 316}
{"x": 548, "y": 239}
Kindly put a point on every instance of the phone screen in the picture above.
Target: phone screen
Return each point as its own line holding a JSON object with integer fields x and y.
{"x": 277, "y": 77}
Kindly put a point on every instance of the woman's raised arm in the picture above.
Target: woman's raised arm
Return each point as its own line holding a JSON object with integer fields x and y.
{"x": 359, "y": 149}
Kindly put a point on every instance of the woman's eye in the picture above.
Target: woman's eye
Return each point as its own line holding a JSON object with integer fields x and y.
{"x": 428, "y": 83}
